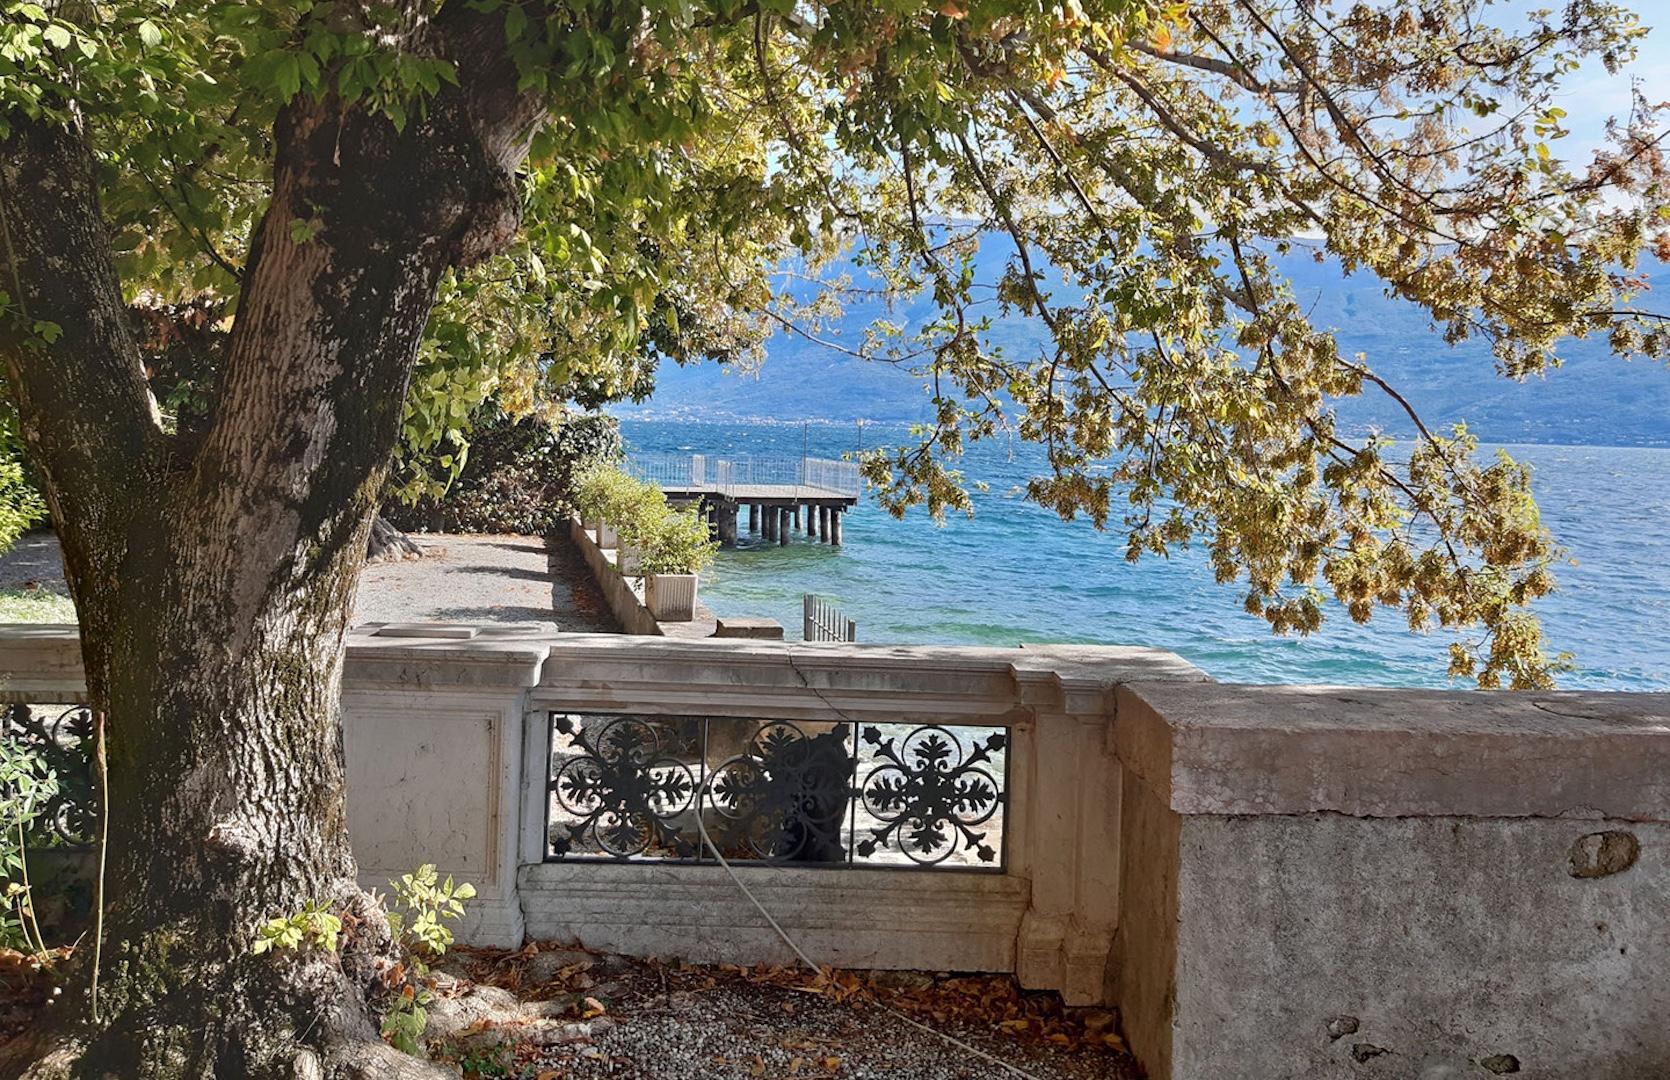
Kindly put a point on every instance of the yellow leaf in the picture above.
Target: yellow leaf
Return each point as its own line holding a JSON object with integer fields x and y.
{"x": 1161, "y": 38}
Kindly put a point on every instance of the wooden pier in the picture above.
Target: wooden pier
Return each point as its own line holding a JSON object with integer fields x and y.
{"x": 782, "y": 495}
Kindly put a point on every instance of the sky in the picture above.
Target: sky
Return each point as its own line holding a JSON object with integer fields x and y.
{"x": 1592, "y": 95}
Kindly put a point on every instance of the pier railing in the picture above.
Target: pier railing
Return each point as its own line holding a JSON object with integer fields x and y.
{"x": 724, "y": 475}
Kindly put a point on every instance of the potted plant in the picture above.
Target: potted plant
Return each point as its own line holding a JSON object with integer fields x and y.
{"x": 590, "y": 498}
{"x": 640, "y": 513}
{"x": 674, "y": 554}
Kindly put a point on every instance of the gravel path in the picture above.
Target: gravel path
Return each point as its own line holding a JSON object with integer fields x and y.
{"x": 477, "y": 579}
{"x": 632, "y": 1019}
{"x": 34, "y": 562}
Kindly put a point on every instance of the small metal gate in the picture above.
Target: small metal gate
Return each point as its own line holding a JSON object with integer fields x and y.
{"x": 823, "y": 621}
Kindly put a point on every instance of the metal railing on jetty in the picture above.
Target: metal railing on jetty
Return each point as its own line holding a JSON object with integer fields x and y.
{"x": 735, "y": 477}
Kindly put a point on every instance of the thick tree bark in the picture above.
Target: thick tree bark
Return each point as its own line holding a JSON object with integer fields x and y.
{"x": 214, "y": 588}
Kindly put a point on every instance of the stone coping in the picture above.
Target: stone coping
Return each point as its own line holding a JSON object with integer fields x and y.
{"x": 1074, "y": 678}
{"x": 1218, "y": 748}
{"x": 803, "y": 680}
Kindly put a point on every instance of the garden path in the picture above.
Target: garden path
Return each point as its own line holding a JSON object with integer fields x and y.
{"x": 475, "y": 579}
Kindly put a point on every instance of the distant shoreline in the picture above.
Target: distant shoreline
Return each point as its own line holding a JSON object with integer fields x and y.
{"x": 829, "y": 422}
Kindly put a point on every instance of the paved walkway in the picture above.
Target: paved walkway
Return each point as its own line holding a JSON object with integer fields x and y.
{"x": 478, "y": 579}
{"x": 473, "y": 579}
{"x": 34, "y": 562}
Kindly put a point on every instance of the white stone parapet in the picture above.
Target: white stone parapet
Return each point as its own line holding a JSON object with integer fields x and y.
{"x": 1304, "y": 882}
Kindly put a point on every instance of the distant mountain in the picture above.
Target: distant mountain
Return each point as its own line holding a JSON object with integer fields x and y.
{"x": 1594, "y": 398}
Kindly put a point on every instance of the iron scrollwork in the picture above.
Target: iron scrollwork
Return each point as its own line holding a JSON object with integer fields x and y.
{"x": 772, "y": 791}
{"x": 623, "y": 789}
{"x": 62, "y": 735}
{"x": 785, "y": 798}
{"x": 929, "y": 794}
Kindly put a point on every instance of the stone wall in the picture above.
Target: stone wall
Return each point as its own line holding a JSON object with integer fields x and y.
{"x": 1328, "y": 883}
{"x": 624, "y": 601}
{"x": 1268, "y": 881}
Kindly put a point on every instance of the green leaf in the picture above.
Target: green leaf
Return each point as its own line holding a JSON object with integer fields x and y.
{"x": 287, "y": 76}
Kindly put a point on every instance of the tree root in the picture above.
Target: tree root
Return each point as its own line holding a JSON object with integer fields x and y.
{"x": 171, "y": 1012}
{"x": 366, "y": 1058}
{"x": 387, "y": 543}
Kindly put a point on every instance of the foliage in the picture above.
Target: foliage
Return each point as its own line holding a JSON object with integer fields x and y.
{"x": 26, "y": 784}
{"x": 608, "y": 494}
{"x": 21, "y": 505}
{"x": 678, "y": 542}
{"x": 669, "y": 540}
{"x": 699, "y": 162}
{"x": 417, "y": 919}
{"x": 488, "y": 1062}
{"x": 314, "y": 925}
{"x": 422, "y": 905}
{"x": 515, "y": 477}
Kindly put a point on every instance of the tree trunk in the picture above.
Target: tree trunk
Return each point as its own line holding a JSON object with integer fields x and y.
{"x": 227, "y": 809}
{"x": 214, "y": 581}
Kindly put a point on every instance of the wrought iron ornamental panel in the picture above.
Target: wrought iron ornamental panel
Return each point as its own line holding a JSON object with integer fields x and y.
{"x": 62, "y": 737}
{"x": 632, "y": 787}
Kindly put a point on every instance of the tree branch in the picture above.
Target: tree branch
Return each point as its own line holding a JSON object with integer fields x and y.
{"x": 87, "y": 416}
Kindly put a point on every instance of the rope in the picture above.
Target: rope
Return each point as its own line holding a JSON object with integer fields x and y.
{"x": 701, "y": 827}
{"x": 101, "y": 760}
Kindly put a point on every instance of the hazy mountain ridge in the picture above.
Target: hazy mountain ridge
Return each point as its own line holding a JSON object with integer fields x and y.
{"x": 1594, "y": 399}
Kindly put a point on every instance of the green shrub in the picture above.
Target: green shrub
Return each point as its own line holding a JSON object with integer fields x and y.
{"x": 623, "y": 501}
{"x": 671, "y": 541}
{"x": 27, "y": 784}
{"x": 678, "y": 542}
{"x": 21, "y": 505}
{"x": 519, "y": 476}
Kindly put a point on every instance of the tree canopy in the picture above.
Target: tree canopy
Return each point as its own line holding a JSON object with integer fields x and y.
{"x": 380, "y": 213}
{"x": 691, "y": 169}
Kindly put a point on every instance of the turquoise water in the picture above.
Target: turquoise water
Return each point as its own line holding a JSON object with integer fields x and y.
{"x": 1016, "y": 573}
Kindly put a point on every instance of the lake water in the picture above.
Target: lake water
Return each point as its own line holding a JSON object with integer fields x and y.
{"x": 1016, "y": 573}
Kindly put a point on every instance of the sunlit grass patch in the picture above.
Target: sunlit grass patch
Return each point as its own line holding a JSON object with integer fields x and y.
{"x": 35, "y": 605}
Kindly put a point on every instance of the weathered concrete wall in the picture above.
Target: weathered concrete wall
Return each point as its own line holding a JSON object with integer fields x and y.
{"x": 1328, "y": 945}
{"x": 434, "y": 741}
{"x": 858, "y": 918}
{"x": 1394, "y": 883}
{"x": 1049, "y": 917}
{"x": 1142, "y": 964}
{"x": 625, "y": 595}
